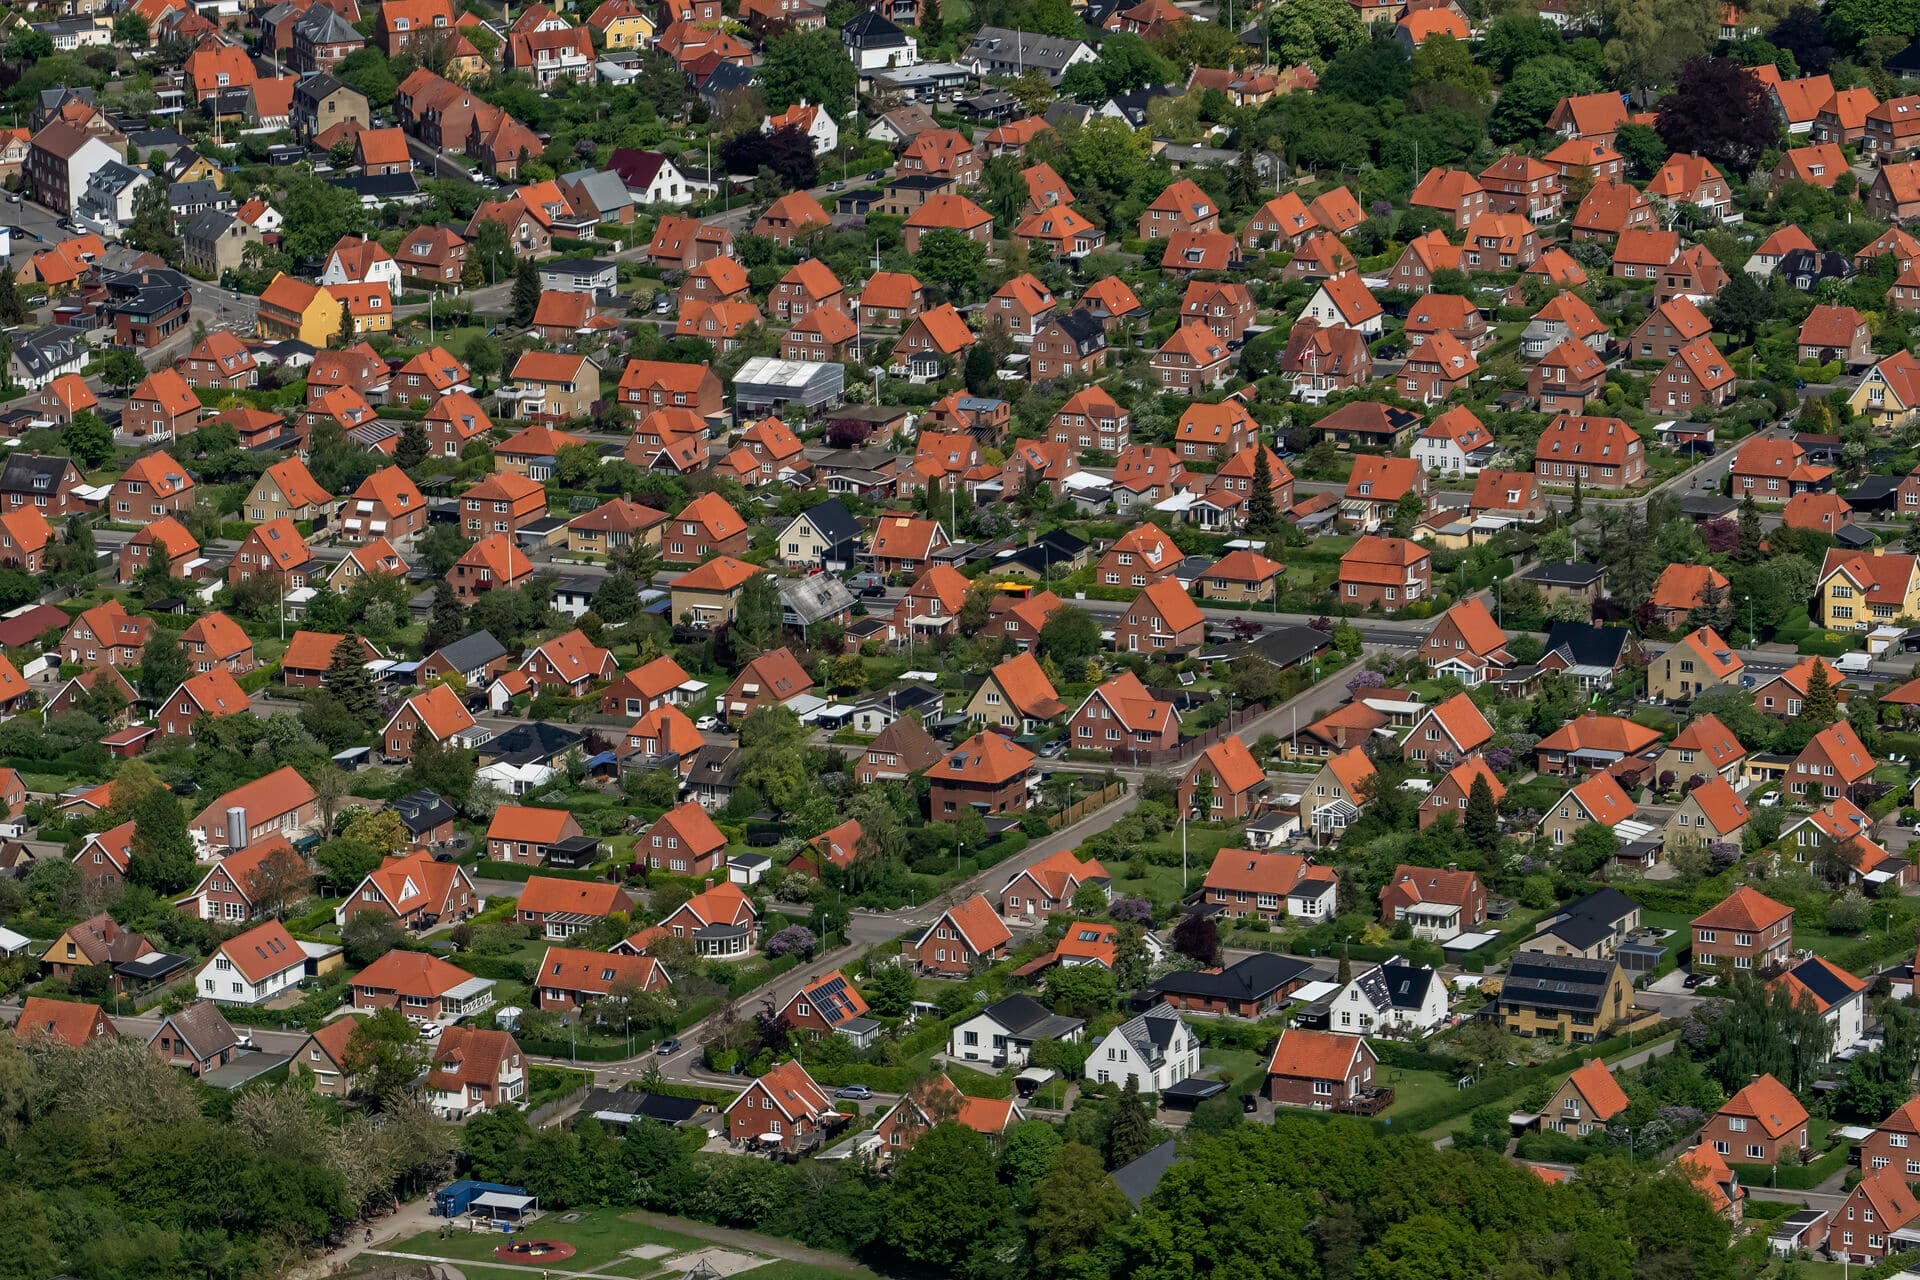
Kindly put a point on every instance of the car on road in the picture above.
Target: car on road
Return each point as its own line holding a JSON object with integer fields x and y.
{"x": 857, "y": 1092}
{"x": 874, "y": 592}
{"x": 836, "y": 185}
{"x": 667, "y": 1047}
{"x": 707, "y": 723}
{"x": 876, "y": 175}
{"x": 1052, "y": 749}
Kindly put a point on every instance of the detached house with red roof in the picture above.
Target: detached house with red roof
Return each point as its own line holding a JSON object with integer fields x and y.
{"x": 1692, "y": 665}
{"x": 683, "y": 841}
{"x": 1452, "y": 192}
{"x": 1446, "y": 733}
{"x": 1229, "y": 779}
{"x": 966, "y": 936}
{"x": 1386, "y": 572}
{"x": 1592, "y": 742}
{"x": 1437, "y": 903}
{"x": 212, "y": 693}
{"x": 1162, "y": 619}
{"x": 569, "y": 977}
{"x": 1831, "y": 765}
{"x": 1745, "y": 930}
{"x": 783, "y": 1109}
{"x": 1123, "y": 714}
{"x": 1467, "y": 644}
{"x": 1761, "y": 1124}
{"x": 1567, "y": 378}
{"x": 253, "y": 968}
{"x": 415, "y": 891}
{"x": 1454, "y": 791}
{"x": 1324, "y": 1071}
{"x": 1602, "y": 453}
{"x": 1586, "y": 1101}
{"x": 1864, "y": 1227}
{"x": 1050, "y": 885}
{"x": 988, "y": 773}
{"x": 437, "y": 712}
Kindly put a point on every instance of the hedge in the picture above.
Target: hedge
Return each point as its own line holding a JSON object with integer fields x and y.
{"x": 673, "y": 1089}
{"x": 493, "y": 869}
{"x": 1798, "y": 1177}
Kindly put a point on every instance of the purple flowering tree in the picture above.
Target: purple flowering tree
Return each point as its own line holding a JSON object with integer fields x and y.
{"x": 1131, "y": 911}
{"x": 1366, "y": 680}
{"x": 794, "y": 940}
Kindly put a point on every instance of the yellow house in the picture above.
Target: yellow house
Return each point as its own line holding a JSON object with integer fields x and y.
{"x": 623, "y": 24}
{"x": 294, "y": 308}
{"x": 709, "y": 595}
{"x": 1859, "y": 590}
{"x": 1565, "y": 997}
{"x": 1889, "y": 395}
{"x": 371, "y": 306}
{"x": 201, "y": 169}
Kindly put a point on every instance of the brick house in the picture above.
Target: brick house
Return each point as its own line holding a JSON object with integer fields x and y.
{"x": 1321, "y": 1070}
{"x": 1601, "y": 453}
{"x": 1162, "y": 619}
{"x": 987, "y": 773}
{"x": 1761, "y": 1124}
{"x": 968, "y": 935}
{"x": 783, "y": 1108}
{"x": 1746, "y": 930}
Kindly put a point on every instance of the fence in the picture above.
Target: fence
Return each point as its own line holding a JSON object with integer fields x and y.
{"x": 544, "y": 1115}
{"x": 1081, "y": 808}
{"x": 1150, "y": 757}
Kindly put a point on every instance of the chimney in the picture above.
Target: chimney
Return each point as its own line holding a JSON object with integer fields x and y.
{"x": 236, "y": 828}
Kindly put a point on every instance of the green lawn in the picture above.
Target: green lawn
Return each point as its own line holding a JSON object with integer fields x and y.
{"x": 785, "y": 1270}
{"x": 1414, "y": 1089}
{"x": 1244, "y": 1068}
{"x": 601, "y": 1236}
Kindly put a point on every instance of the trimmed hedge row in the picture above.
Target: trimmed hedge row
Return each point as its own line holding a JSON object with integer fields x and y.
{"x": 1798, "y": 1177}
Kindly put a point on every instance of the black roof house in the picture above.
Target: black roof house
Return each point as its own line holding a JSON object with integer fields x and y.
{"x": 1249, "y": 980}
{"x": 1556, "y": 984}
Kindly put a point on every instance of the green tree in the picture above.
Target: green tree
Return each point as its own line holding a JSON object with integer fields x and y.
{"x": 1531, "y": 95}
{"x": 1879, "y": 1083}
{"x": 1109, "y": 154}
{"x": 1130, "y": 1131}
{"x": 384, "y": 1058}
{"x": 773, "y": 758}
{"x": 1050, "y": 18}
{"x": 441, "y": 548}
{"x": 1646, "y": 42}
{"x": 1483, "y": 816}
{"x": 87, "y": 439}
{"x": 162, "y": 858}
{"x": 1313, "y": 30}
{"x": 890, "y": 991}
{"x": 318, "y": 214}
{"x": 756, "y": 623}
{"x": 945, "y": 1204}
{"x": 346, "y": 862}
{"x": 526, "y": 293}
{"x": 442, "y": 768}
{"x": 951, "y": 260}
{"x": 1079, "y": 990}
{"x": 1821, "y": 706}
{"x": 806, "y": 66}
{"x": 163, "y": 666}
{"x": 1747, "y": 548}
{"x": 130, "y": 30}
{"x": 1077, "y": 1214}
{"x": 1742, "y": 309}
{"x": 152, "y": 227}
{"x": 122, "y": 369}
{"x": 13, "y": 307}
{"x": 1069, "y": 637}
{"x": 1261, "y": 516}
{"x": 347, "y": 680}
{"x": 413, "y": 446}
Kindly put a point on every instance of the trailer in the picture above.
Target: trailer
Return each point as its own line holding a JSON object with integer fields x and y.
{"x": 454, "y": 1200}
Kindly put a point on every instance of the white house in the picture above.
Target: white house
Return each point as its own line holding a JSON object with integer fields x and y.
{"x": 253, "y": 968}
{"x": 370, "y": 268}
{"x": 1454, "y": 442}
{"x": 1154, "y": 1050}
{"x": 1393, "y": 995}
{"x": 1345, "y": 300}
{"x": 106, "y": 206}
{"x": 1840, "y": 997}
{"x": 1004, "y": 1033}
{"x": 809, "y": 119}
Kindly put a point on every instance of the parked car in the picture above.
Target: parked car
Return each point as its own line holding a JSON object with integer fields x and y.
{"x": 706, "y": 723}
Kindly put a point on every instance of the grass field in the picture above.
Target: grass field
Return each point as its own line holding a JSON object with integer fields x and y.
{"x": 601, "y": 1236}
